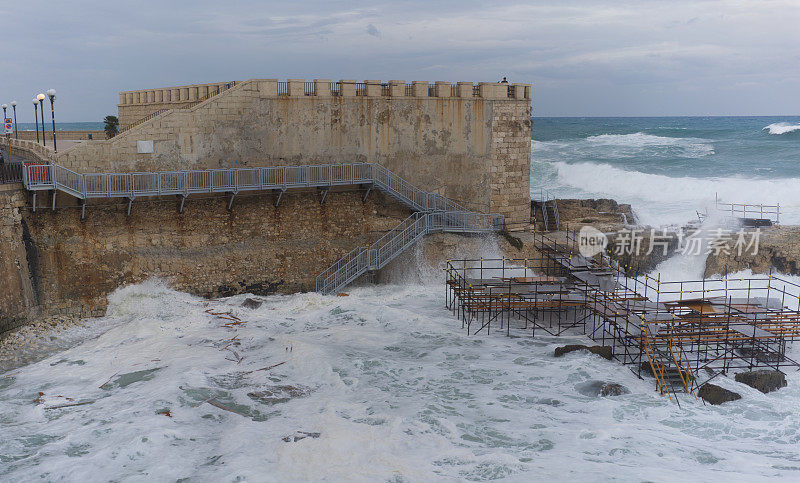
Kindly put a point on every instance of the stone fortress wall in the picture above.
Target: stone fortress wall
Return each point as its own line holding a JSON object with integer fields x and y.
{"x": 468, "y": 142}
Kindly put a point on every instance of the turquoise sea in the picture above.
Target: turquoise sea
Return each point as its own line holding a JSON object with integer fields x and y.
{"x": 669, "y": 168}
{"x": 63, "y": 126}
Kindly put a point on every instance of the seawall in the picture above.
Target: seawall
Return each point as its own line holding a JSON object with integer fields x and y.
{"x": 56, "y": 265}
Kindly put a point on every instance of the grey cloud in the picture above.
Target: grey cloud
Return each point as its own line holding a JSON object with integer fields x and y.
{"x": 583, "y": 57}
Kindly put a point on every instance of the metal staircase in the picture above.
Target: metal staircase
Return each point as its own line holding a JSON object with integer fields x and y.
{"x": 666, "y": 365}
{"x": 384, "y": 250}
{"x": 546, "y": 209}
{"x": 433, "y": 212}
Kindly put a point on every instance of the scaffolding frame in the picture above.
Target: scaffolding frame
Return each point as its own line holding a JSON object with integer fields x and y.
{"x": 684, "y": 333}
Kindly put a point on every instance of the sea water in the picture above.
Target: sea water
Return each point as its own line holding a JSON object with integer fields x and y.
{"x": 669, "y": 169}
{"x": 384, "y": 384}
{"x": 380, "y": 385}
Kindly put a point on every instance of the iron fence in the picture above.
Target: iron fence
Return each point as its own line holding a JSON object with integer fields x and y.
{"x": 11, "y": 173}
{"x": 309, "y": 88}
{"x": 409, "y": 90}
{"x": 336, "y": 89}
{"x": 361, "y": 89}
{"x": 283, "y": 88}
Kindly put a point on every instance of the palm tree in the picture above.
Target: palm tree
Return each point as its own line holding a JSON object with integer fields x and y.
{"x": 112, "y": 126}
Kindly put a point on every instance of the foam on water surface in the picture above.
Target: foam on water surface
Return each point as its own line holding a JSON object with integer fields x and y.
{"x": 380, "y": 385}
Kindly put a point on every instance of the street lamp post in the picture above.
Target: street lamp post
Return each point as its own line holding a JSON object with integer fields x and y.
{"x": 40, "y": 98}
{"x": 51, "y": 93}
{"x": 14, "y": 107}
{"x": 8, "y": 141}
{"x": 36, "y": 116}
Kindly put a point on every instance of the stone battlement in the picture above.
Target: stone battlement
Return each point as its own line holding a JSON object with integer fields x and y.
{"x": 327, "y": 88}
{"x": 139, "y": 105}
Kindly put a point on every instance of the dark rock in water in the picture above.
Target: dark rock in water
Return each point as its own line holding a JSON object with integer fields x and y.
{"x": 765, "y": 380}
{"x": 613, "y": 389}
{"x": 279, "y": 394}
{"x": 292, "y": 438}
{"x": 601, "y": 388}
{"x": 602, "y": 351}
{"x": 714, "y": 394}
{"x": 251, "y": 303}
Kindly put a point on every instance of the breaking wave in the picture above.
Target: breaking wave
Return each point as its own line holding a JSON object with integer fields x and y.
{"x": 660, "y": 200}
{"x": 781, "y": 128}
{"x": 630, "y": 146}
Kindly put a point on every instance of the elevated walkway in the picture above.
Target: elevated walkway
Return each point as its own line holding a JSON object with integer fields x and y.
{"x": 432, "y": 212}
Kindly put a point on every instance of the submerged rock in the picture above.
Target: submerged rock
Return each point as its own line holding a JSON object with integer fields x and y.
{"x": 601, "y": 389}
{"x": 715, "y": 395}
{"x": 251, "y": 303}
{"x": 279, "y": 394}
{"x": 613, "y": 389}
{"x": 300, "y": 435}
{"x": 602, "y": 351}
{"x": 764, "y": 380}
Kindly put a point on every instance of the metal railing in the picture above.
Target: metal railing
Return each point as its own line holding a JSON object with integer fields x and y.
{"x": 336, "y": 89}
{"x": 750, "y": 211}
{"x": 361, "y": 89}
{"x": 454, "y": 90}
{"x": 232, "y": 180}
{"x": 409, "y": 91}
{"x": 11, "y": 173}
{"x": 283, "y": 88}
{"x": 309, "y": 88}
{"x": 476, "y": 91}
{"x": 385, "y": 91}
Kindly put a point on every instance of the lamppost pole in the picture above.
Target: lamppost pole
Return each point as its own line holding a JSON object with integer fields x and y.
{"x": 36, "y": 116}
{"x": 40, "y": 98}
{"x": 14, "y": 107}
{"x": 51, "y": 93}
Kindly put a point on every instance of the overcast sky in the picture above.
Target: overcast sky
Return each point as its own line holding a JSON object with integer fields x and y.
{"x": 593, "y": 58}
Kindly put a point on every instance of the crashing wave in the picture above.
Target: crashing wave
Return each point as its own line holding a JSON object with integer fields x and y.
{"x": 631, "y": 145}
{"x": 781, "y": 128}
{"x": 660, "y": 199}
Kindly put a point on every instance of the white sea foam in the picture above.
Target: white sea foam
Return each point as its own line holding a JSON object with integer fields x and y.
{"x": 660, "y": 200}
{"x": 781, "y": 128}
{"x": 394, "y": 387}
{"x": 630, "y": 146}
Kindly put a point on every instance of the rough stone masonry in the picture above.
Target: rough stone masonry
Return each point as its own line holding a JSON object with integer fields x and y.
{"x": 468, "y": 142}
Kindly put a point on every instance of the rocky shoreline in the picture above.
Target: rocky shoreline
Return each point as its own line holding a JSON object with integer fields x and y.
{"x": 778, "y": 248}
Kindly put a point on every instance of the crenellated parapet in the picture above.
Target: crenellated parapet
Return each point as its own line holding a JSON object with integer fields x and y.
{"x": 328, "y": 88}
{"x": 173, "y": 95}
{"x": 138, "y": 106}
